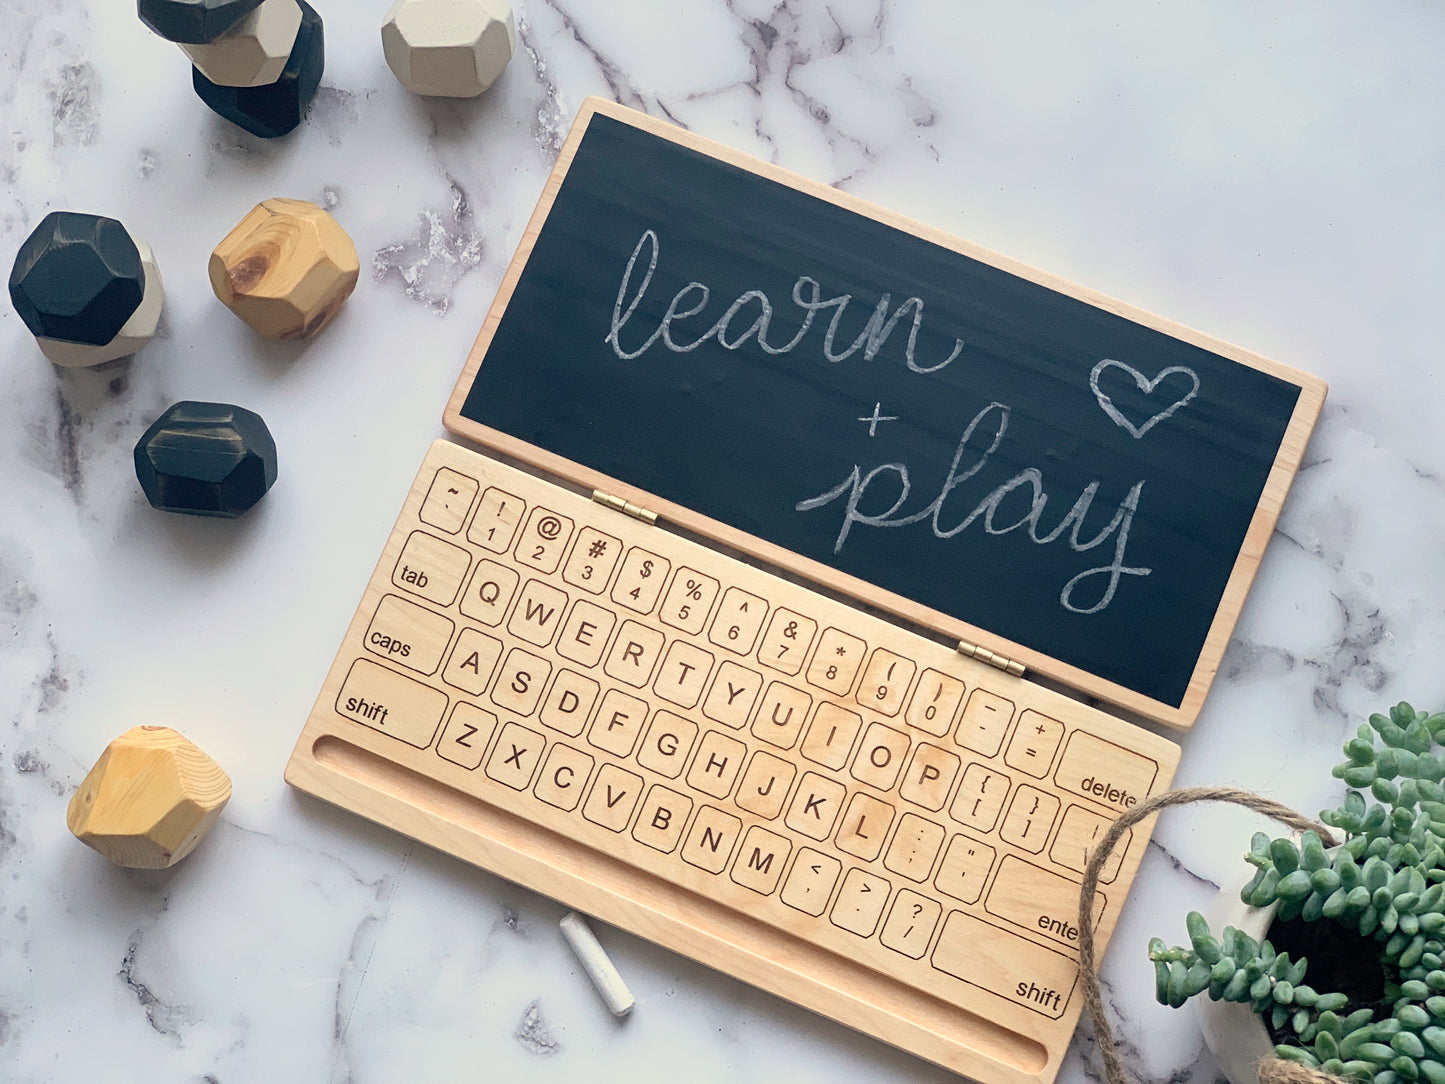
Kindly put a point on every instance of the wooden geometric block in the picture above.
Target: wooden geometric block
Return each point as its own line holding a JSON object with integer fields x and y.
{"x": 285, "y": 269}
{"x": 77, "y": 277}
{"x": 206, "y": 459}
{"x": 193, "y": 21}
{"x": 273, "y": 110}
{"x": 253, "y": 53}
{"x": 151, "y": 797}
{"x": 134, "y": 333}
{"x": 448, "y": 48}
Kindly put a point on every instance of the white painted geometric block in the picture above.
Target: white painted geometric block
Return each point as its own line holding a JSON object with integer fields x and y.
{"x": 254, "y": 52}
{"x": 137, "y": 331}
{"x": 448, "y": 48}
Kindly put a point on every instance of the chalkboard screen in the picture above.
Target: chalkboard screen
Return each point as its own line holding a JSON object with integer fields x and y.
{"x": 1065, "y": 477}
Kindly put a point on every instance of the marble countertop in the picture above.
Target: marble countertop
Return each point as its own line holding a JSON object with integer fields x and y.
{"x": 1270, "y": 175}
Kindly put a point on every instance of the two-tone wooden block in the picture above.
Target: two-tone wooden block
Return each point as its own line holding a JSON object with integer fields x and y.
{"x": 285, "y": 269}
{"x": 88, "y": 291}
{"x": 448, "y": 48}
{"x": 276, "y": 108}
{"x": 253, "y": 53}
{"x": 151, "y": 797}
{"x": 193, "y": 22}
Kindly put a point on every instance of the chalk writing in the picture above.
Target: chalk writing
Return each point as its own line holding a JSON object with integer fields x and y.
{"x": 1147, "y": 387}
{"x": 993, "y": 419}
{"x": 807, "y": 295}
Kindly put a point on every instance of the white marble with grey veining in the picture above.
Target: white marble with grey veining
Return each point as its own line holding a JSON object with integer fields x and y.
{"x": 1271, "y": 174}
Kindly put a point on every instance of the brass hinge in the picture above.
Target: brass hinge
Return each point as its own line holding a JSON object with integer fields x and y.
{"x": 983, "y": 654}
{"x": 627, "y": 508}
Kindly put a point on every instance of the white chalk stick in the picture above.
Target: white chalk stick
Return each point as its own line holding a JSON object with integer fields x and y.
{"x": 599, "y": 968}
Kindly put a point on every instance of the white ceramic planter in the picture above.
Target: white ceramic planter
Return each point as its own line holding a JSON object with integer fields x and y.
{"x": 1232, "y": 1031}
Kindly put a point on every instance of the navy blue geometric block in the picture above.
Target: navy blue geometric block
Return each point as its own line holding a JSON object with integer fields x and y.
{"x": 277, "y": 108}
{"x": 206, "y": 459}
{"x": 193, "y": 22}
{"x": 77, "y": 278}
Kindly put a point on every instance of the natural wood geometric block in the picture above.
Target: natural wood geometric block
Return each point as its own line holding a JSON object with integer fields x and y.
{"x": 285, "y": 269}
{"x": 134, "y": 333}
{"x": 274, "y": 109}
{"x": 77, "y": 277}
{"x": 448, "y": 48}
{"x": 253, "y": 53}
{"x": 151, "y": 797}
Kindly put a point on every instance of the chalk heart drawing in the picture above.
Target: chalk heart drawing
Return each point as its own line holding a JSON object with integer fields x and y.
{"x": 1147, "y": 387}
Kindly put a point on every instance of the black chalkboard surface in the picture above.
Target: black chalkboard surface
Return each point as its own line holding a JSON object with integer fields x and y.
{"x": 1086, "y": 487}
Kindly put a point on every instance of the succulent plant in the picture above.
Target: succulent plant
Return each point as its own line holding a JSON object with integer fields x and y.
{"x": 1384, "y": 884}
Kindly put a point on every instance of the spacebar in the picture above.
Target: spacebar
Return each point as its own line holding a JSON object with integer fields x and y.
{"x": 985, "y": 956}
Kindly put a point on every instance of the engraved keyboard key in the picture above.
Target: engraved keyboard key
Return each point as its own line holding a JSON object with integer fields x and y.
{"x": 1034, "y": 744}
{"x": 1029, "y": 818}
{"x": 613, "y": 798}
{"x": 640, "y": 581}
{"x": 915, "y": 845}
{"x": 490, "y": 593}
{"x": 409, "y": 635}
{"x": 465, "y": 739}
{"x": 911, "y": 922}
{"x": 781, "y": 714}
{"x": 1038, "y": 900}
{"x": 860, "y": 903}
{"x": 965, "y": 869}
{"x": 663, "y": 817}
{"x": 515, "y": 756}
{"x": 710, "y": 840}
{"x": 448, "y": 501}
{"x": 1079, "y": 833}
{"x": 634, "y": 654}
{"x": 865, "y": 826}
{"x": 431, "y": 568}
{"x": 539, "y": 611}
{"x": 984, "y": 723}
{"x": 738, "y": 621}
{"x": 669, "y": 739}
{"x": 880, "y": 756}
{"x": 760, "y": 860}
{"x": 1026, "y": 974}
{"x": 935, "y": 702}
{"x": 786, "y": 641}
{"x": 929, "y": 777}
{"x": 569, "y": 702}
{"x": 618, "y": 723}
{"x": 543, "y": 540}
{"x": 811, "y": 881}
{"x": 717, "y": 764}
{"x": 683, "y": 674}
{"x": 885, "y": 682}
{"x": 1104, "y": 772}
{"x": 520, "y": 681}
{"x": 815, "y": 806}
{"x": 830, "y": 737}
{"x": 496, "y": 522}
{"x": 689, "y": 600}
{"x": 592, "y": 561}
{"x": 584, "y": 636}
{"x": 980, "y": 798}
{"x": 472, "y": 662}
{"x": 563, "y": 777}
{"x": 732, "y": 696}
{"x": 835, "y": 664}
{"x": 765, "y": 785}
{"x": 386, "y": 701}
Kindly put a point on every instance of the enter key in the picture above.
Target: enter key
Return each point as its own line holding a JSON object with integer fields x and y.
{"x": 1038, "y": 900}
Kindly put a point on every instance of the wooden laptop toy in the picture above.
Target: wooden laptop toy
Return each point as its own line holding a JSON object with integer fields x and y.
{"x": 884, "y": 820}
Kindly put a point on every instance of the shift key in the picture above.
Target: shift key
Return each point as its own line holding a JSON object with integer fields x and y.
{"x": 1019, "y": 971}
{"x": 386, "y": 701}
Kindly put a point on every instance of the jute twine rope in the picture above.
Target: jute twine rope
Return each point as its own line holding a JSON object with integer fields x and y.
{"x": 1271, "y": 1071}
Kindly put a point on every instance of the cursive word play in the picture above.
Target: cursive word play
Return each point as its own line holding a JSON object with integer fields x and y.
{"x": 994, "y": 418}
{"x": 750, "y": 316}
